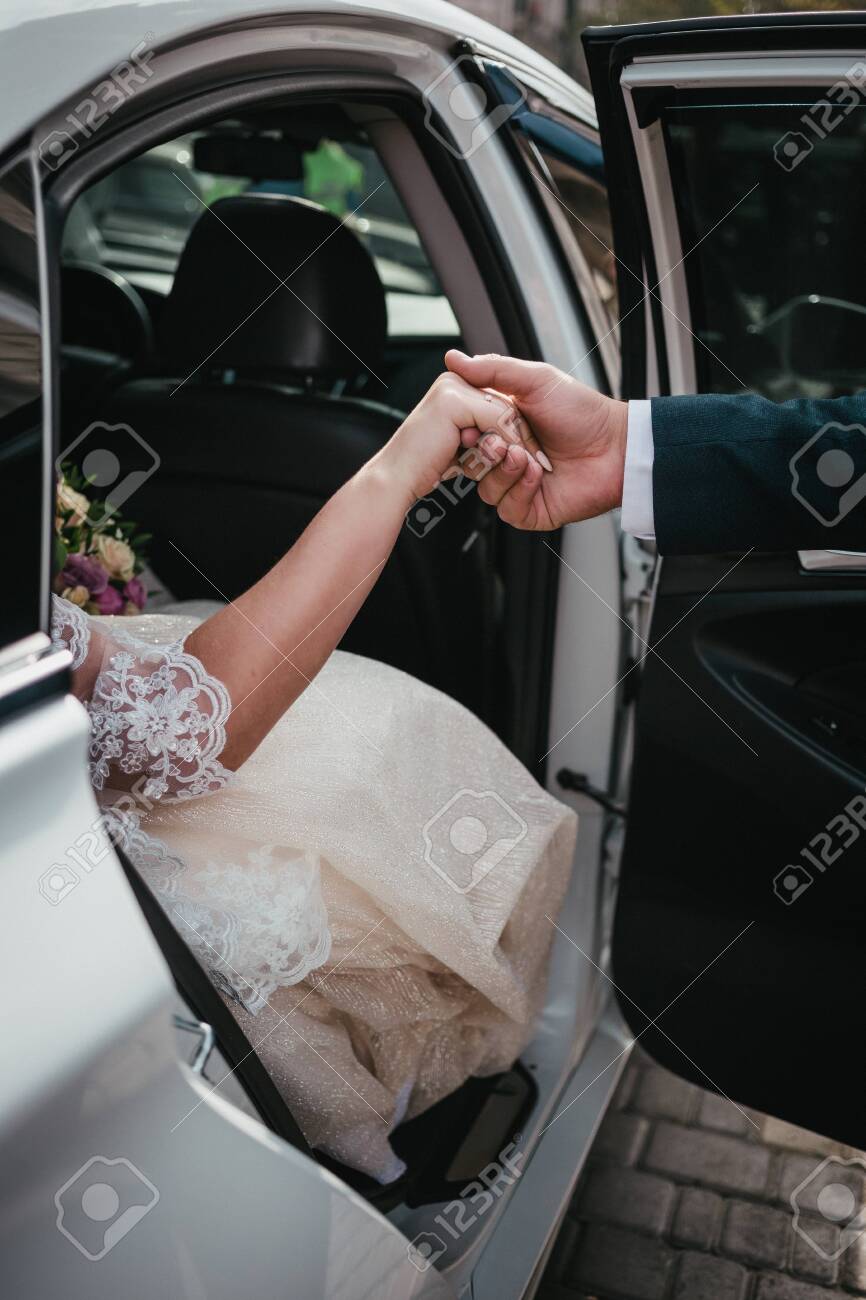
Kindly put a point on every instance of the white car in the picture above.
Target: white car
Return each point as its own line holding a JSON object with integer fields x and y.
{"x": 143, "y": 1149}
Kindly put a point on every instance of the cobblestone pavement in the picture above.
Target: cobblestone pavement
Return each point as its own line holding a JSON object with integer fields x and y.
{"x": 683, "y": 1199}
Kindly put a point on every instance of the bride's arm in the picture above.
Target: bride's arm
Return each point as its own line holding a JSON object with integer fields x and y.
{"x": 269, "y": 644}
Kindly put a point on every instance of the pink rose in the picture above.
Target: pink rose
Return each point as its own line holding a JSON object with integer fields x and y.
{"x": 136, "y": 591}
{"x": 109, "y": 601}
{"x": 83, "y": 571}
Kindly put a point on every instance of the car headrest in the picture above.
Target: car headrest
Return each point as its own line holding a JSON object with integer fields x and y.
{"x": 228, "y": 308}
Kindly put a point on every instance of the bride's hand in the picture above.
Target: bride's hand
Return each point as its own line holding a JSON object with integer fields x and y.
{"x": 455, "y": 428}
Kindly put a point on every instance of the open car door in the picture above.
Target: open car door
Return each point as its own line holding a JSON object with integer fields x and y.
{"x": 735, "y": 153}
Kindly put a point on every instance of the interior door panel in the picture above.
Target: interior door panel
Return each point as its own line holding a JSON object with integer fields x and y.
{"x": 738, "y": 946}
{"x": 748, "y": 749}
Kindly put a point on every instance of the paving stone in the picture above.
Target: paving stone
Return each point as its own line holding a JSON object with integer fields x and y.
{"x": 628, "y": 1197}
{"x": 757, "y": 1234}
{"x": 778, "y": 1132}
{"x": 713, "y": 1159}
{"x": 620, "y": 1139}
{"x": 613, "y": 1261}
{"x": 852, "y": 1265}
{"x": 793, "y": 1169}
{"x": 552, "y": 1291}
{"x": 797, "y": 1169}
{"x": 705, "y": 1277}
{"x": 665, "y": 1096}
{"x": 777, "y": 1286}
{"x": 697, "y": 1219}
{"x": 563, "y": 1252}
{"x": 635, "y": 1232}
{"x": 719, "y": 1113}
{"x": 626, "y": 1087}
{"x": 806, "y": 1260}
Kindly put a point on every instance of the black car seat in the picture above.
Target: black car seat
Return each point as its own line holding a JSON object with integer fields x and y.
{"x": 105, "y": 330}
{"x": 276, "y": 318}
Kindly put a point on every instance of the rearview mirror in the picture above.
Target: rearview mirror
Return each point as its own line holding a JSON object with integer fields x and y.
{"x": 253, "y": 157}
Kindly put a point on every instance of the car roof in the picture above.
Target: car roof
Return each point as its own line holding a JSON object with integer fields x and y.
{"x": 51, "y": 50}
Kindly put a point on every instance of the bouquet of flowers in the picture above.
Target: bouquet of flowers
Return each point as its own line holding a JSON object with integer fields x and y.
{"x": 98, "y": 555}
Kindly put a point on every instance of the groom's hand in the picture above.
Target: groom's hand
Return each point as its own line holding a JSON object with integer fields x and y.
{"x": 582, "y": 431}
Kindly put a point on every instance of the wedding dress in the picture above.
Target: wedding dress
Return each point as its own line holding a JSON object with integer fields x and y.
{"x": 369, "y": 891}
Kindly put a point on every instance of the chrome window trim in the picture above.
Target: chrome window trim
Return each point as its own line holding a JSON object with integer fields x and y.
{"x": 48, "y": 449}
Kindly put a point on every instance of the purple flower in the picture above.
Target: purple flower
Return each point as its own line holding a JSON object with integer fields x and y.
{"x": 136, "y": 591}
{"x": 82, "y": 571}
{"x": 108, "y": 601}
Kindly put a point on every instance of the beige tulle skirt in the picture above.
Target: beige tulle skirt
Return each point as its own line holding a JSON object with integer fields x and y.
{"x": 438, "y": 857}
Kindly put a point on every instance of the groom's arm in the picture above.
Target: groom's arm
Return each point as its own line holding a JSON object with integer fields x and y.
{"x": 702, "y": 474}
{"x": 722, "y": 473}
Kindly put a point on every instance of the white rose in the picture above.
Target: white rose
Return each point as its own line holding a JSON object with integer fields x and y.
{"x": 77, "y": 502}
{"x": 115, "y": 556}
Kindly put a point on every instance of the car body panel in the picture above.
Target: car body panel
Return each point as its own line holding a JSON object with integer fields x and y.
{"x": 101, "y": 1080}
{"x": 229, "y": 1191}
{"x": 74, "y": 45}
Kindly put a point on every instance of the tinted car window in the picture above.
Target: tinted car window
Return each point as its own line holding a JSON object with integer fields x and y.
{"x": 586, "y": 206}
{"x": 136, "y": 221}
{"x": 580, "y": 212}
{"x": 778, "y": 291}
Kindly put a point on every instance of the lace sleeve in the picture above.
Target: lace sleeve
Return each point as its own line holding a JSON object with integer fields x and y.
{"x": 157, "y": 717}
{"x": 70, "y": 629}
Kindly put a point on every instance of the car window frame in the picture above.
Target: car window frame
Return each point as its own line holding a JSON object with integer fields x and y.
{"x": 20, "y": 655}
{"x": 158, "y": 115}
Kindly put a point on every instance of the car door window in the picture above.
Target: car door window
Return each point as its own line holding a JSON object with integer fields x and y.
{"x": 21, "y": 433}
{"x": 136, "y": 221}
{"x": 584, "y": 200}
{"x": 577, "y": 204}
{"x": 778, "y": 295}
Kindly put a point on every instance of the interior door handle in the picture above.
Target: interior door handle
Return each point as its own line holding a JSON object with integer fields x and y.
{"x": 832, "y": 561}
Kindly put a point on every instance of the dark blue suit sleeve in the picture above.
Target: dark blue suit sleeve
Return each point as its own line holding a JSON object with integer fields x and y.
{"x": 734, "y": 472}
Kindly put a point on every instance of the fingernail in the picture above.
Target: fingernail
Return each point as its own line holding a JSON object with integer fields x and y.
{"x": 544, "y": 461}
{"x": 449, "y": 473}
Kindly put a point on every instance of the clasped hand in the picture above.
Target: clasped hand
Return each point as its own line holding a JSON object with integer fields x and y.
{"x": 545, "y": 449}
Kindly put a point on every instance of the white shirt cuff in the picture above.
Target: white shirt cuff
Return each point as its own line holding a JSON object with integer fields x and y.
{"x": 637, "y": 487}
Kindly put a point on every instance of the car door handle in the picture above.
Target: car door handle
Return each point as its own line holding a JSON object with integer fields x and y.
{"x": 205, "y": 1046}
{"x": 832, "y": 561}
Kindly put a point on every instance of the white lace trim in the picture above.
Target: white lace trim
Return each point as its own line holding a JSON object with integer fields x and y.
{"x": 264, "y": 925}
{"x": 70, "y": 629}
{"x": 256, "y": 924}
{"x": 156, "y": 709}
{"x": 153, "y": 710}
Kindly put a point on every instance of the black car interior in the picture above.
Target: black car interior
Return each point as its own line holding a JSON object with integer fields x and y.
{"x": 247, "y": 342}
